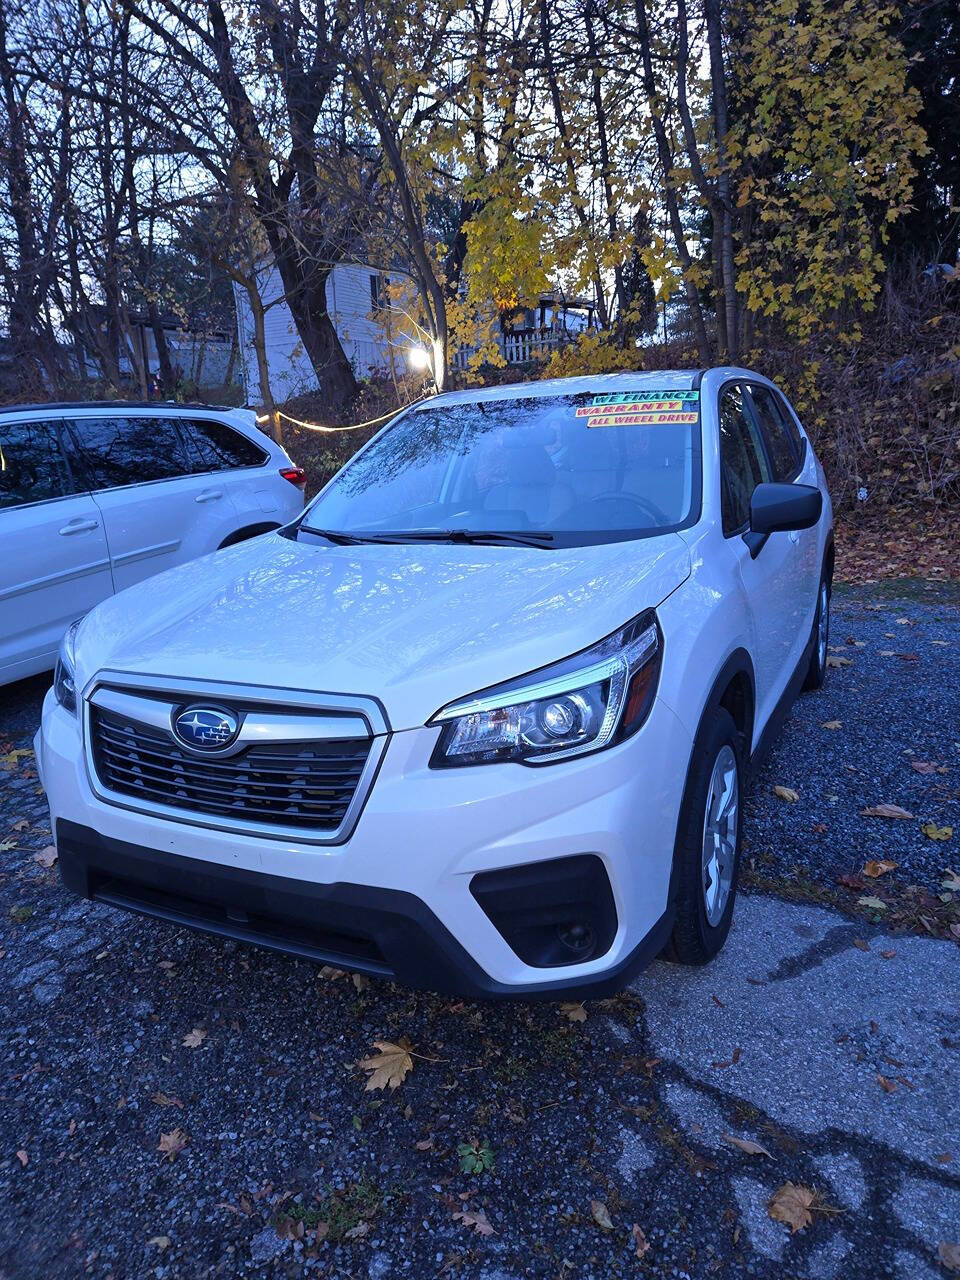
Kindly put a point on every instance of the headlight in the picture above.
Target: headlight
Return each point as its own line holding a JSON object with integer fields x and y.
{"x": 64, "y": 689}
{"x": 589, "y": 701}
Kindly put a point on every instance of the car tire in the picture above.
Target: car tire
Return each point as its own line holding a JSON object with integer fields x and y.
{"x": 707, "y": 851}
{"x": 817, "y": 670}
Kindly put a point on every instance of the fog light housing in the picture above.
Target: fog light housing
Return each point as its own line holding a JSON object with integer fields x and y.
{"x": 558, "y": 912}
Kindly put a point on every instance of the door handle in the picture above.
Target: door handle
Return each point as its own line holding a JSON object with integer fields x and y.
{"x": 209, "y": 495}
{"x": 79, "y": 526}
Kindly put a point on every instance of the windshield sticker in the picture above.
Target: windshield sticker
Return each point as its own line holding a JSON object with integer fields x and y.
{"x": 640, "y": 408}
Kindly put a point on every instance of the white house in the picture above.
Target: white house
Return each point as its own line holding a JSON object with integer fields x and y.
{"x": 355, "y": 293}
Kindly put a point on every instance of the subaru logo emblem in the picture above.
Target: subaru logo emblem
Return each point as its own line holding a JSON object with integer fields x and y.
{"x": 206, "y": 728}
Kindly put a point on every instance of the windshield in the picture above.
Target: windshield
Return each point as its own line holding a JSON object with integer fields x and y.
{"x": 583, "y": 468}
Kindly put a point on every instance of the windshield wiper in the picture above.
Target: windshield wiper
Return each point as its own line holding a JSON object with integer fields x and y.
{"x": 531, "y": 538}
{"x": 337, "y": 536}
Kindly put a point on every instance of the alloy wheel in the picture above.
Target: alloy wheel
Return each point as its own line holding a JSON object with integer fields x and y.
{"x": 720, "y": 827}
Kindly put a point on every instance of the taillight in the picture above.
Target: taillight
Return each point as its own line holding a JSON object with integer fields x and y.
{"x": 296, "y": 475}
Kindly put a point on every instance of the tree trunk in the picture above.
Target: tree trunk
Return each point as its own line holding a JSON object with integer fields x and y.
{"x": 670, "y": 191}
{"x": 712, "y": 12}
{"x": 263, "y": 369}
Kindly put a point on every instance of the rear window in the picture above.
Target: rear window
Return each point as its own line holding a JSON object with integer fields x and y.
{"x": 214, "y": 446}
{"x": 126, "y": 450}
{"x": 32, "y": 465}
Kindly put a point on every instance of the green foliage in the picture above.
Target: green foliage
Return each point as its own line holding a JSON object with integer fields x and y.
{"x": 824, "y": 150}
{"x": 475, "y": 1157}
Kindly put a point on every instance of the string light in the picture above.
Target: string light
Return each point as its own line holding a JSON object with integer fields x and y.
{"x": 354, "y": 426}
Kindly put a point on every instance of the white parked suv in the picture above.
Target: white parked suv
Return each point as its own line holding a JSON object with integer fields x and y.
{"x": 95, "y": 497}
{"x": 481, "y": 719}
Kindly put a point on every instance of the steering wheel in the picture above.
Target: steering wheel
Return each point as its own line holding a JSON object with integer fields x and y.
{"x": 617, "y": 508}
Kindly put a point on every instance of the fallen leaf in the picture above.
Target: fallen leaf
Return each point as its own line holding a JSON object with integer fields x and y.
{"x": 951, "y": 880}
{"x": 425, "y": 1144}
{"x": 21, "y": 824}
{"x": 886, "y": 1085}
{"x": 885, "y": 811}
{"x": 933, "y": 832}
{"x": 162, "y": 1242}
{"x": 357, "y": 1232}
{"x": 928, "y": 766}
{"x": 745, "y": 1144}
{"x": 601, "y": 1215}
{"x": 46, "y": 857}
{"x": 360, "y": 981}
{"x": 14, "y": 757}
{"x": 888, "y": 955}
{"x": 389, "y": 1066}
{"x": 195, "y": 1038}
{"x": 23, "y": 1157}
{"x": 834, "y": 661}
{"x": 873, "y": 904}
{"x": 171, "y": 1143}
{"x": 166, "y": 1100}
{"x": 949, "y": 1254}
{"x": 639, "y": 1240}
{"x": 721, "y": 1066}
{"x": 861, "y": 945}
{"x": 574, "y": 1011}
{"x": 830, "y": 724}
{"x": 786, "y": 793}
{"x": 944, "y": 1158}
{"x": 792, "y": 1205}
{"x": 477, "y": 1220}
{"x": 874, "y": 868}
{"x": 328, "y": 971}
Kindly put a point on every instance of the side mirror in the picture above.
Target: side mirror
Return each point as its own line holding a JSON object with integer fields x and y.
{"x": 779, "y": 508}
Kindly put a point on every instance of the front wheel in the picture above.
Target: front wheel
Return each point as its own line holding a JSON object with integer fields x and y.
{"x": 707, "y": 853}
{"x": 817, "y": 670}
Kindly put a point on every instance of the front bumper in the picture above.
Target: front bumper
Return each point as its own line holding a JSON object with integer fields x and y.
{"x": 398, "y": 897}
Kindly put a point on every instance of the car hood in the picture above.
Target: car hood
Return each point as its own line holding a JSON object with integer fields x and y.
{"x": 415, "y": 625}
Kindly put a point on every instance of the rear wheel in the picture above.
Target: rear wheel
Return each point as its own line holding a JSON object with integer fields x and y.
{"x": 817, "y": 670}
{"x": 707, "y": 853}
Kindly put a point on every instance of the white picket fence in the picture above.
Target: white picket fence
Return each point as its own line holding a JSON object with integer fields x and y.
{"x": 519, "y": 348}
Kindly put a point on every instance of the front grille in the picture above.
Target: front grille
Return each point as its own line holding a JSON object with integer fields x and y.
{"x": 304, "y": 785}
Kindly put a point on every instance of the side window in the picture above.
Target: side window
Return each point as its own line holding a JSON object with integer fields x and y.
{"x": 128, "y": 450}
{"x": 215, "y": 447}
{"x": 793, "y": 431}
{"x": 32, "y": 465}
{"x": 743, "y": 464}
{"x": 779, "y": 445}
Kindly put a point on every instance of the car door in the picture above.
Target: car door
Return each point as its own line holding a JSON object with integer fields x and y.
{"x": 235, "y": 465}
{"x": 791, "y": 463}
{"x": 768, "y": 580}
{"x": 55, "y": 564}
{"x": 156, "y": 511}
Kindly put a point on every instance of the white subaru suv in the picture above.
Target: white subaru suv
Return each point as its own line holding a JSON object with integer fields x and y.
{"x": 482, "y": 717}
{"x": 95, "y": 497}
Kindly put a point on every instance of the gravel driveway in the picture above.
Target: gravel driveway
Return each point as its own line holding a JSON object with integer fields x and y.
{"x": 173, "y": 1105}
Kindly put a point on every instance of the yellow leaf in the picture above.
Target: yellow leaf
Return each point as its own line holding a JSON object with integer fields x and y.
{"x": 936, "y": 833}
{"x": 786, "y": 793}
{"x": 389, "y": 1066}
{"x": 574, "y": 1011}
{"x": 875, "y": 868}
{"x": 792, "y": 1205}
